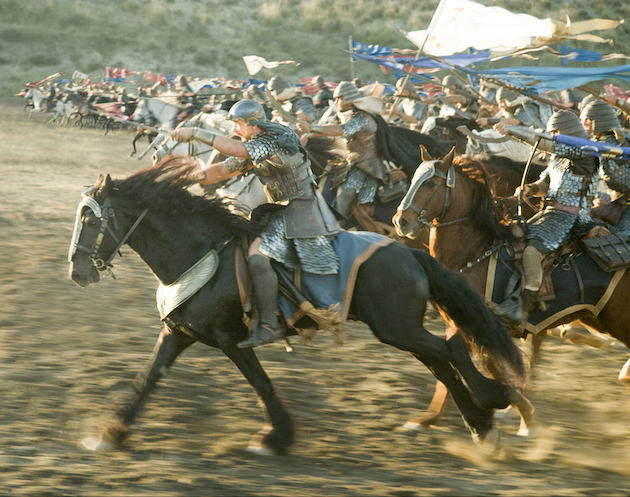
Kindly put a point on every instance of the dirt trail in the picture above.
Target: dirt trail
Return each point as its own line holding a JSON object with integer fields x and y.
{"x": 68, "y": 355}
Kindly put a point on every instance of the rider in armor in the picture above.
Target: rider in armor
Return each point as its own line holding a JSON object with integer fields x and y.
{"x": 601, "y": 123}
{"x": 411, "y": 109}
{"x": 298, "y": 235}
{"x": 292, "y": 100}
{"x": 514, "y": 110}
{"x": 359, "y": 129}
{"x": 322, "y": 98}
{"x": 568, "y": 184}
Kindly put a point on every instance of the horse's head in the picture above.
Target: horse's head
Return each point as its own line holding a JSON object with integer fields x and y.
{"x": 429, "y": 195}
{"x": 98, "y": 233}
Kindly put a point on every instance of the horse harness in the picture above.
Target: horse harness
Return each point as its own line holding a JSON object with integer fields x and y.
{"x": 107, "y": 217}
{"x": 425, "y": 172}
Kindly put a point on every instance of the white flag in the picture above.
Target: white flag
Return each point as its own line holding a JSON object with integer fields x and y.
{"x": 461, "y": 24}
{"x": 254, "y": 63}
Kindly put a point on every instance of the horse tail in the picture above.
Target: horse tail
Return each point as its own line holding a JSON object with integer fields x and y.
{"x": 469, "y": 312}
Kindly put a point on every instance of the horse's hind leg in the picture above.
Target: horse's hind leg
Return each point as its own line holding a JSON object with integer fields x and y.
{"x": 169, "y": 345}
{"x": 433, "y": 352}
{"x": 280, "y": 437}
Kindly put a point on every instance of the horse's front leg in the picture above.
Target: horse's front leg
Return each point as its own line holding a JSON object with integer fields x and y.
{"x": 169, "y": 345}
{"x": 281, "y": 436}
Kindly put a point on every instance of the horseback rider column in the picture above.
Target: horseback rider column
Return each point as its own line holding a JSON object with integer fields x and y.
{"x": 568, "y": 184}
{"x": 359, "y": 129}
{"x": 601, "y": 123}
{"x": 297, "y": 235}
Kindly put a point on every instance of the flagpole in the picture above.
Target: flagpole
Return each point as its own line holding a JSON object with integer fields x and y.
{"x": 351, "y": 57}
{"x": 437, "y": 13}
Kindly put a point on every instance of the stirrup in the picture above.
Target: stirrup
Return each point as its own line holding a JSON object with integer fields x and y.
{"x": 262, "y": 335}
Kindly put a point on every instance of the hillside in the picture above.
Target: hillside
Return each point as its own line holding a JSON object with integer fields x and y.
{"x": 209, "y": 37}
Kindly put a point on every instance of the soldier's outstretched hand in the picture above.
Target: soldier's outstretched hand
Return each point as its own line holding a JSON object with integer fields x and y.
{"x": 182, "y": 134}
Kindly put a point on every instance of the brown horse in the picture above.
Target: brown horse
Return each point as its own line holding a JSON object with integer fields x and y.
{"x": 453, "y": 197}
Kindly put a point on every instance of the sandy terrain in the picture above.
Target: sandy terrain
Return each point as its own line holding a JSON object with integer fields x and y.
{"x": 68, "y": 355}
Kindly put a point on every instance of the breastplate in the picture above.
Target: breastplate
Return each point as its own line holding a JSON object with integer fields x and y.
{"x": 286, "y": 177}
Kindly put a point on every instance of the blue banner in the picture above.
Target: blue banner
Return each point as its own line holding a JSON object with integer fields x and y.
{"x": 537, "y": 79}
{"x": 595, "y": 148}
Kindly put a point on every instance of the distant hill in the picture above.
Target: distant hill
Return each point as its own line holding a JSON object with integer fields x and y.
{"x": 209, "y": 37}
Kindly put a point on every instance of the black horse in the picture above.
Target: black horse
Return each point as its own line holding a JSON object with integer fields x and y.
{"x": 171, "y": 229}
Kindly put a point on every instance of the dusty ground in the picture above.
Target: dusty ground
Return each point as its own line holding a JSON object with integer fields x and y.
{"x": 68, "y": 355}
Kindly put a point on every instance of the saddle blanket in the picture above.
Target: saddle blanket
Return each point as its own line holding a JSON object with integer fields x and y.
{"x": 309, "y": 302}
{"x": 579, "y": 285}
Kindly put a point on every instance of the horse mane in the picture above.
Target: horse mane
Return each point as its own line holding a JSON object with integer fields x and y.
{"x": 164, "y": 188}
{"x": 485, "y": 212}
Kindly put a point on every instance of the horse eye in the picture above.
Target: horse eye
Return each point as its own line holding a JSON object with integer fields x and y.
{"x": 430, "y": 183}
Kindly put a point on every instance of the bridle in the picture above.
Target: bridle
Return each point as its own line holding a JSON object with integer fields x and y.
{"x": 107, "y": 217}
{"x": 425, "y": 172}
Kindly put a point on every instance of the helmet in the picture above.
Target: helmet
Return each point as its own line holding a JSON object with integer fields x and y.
{"x": 566, "y": 123}
{"x": 585, "y": 101}
{"x": 319, "y": 81}
{"x": 504, "y": 93}
{"x": 451, "y": 80}
{"x": 603, "y": 116}
{"x": 278, "y": 84}
{"x": 347, "y": 91}
{"x": 249, "y": 111}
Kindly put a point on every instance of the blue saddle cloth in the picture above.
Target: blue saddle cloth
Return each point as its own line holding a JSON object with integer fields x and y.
{"x": 326, "y": 292}
{"x": 578, "y": 282}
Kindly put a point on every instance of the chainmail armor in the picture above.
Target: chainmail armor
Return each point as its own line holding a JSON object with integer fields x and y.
{"x": 551, "y": 228}
{"x": 303, "y": 104}
{"x": 355, "y": 124}
{"x": 364, "y": 185}
{"x": 315, "y": 255}
{"x": 616, "y": 174}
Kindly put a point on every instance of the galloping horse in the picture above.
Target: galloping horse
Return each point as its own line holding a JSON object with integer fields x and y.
{"x": 453, "y": 198}
{"x": 171, "y": 229}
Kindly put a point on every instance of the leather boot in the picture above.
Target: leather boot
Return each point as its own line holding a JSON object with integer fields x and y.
{"x": 265, "y": 284}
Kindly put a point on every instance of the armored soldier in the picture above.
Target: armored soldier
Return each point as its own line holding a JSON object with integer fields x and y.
{"x": 601, "y": 123}
{"x": 411, "y": 109}
{"x": 514, "y": 111}
{"x": 324, "y": 96}
{"x": 568, "y": 184}
{"x": 359, "y": 130}
{"x": 298, "y": 235}
{"x": 292, "y": 100}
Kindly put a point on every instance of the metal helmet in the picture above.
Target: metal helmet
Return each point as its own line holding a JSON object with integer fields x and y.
{"x": 278, "y": 84}
{"x": 249, "y": 111}
{"x": 585, "y": 101}
{"x": 603, "y": 116}
{"x": 504, "y": 93}
{"x": 347, "y": 91}
{"x": 319, "y": 81}
{"x": 566, "y": 123}
{"x": 451, "y": 80}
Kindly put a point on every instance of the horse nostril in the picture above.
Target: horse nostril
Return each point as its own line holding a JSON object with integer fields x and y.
{"x": 402, "y": 222}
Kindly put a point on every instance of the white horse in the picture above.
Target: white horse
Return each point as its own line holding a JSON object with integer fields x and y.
{"x": 152, "y": 108}
{"x": 37, "y": 97}
{"x": 242, "y": 193}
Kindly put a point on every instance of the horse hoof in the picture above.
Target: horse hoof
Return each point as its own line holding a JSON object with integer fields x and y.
{"x": 523, "y": 432}
{"x": 490, "y": 443}
{"x": 260, "y": 450}
{"x": 410, "y": 427}
{"x": 624, "y": 374}
{"x": 97, "y": 444}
